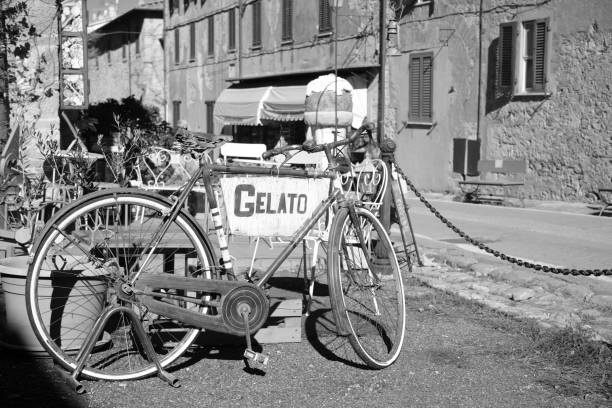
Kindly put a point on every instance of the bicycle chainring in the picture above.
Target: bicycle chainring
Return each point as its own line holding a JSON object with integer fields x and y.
{"x": 246, "y": 297}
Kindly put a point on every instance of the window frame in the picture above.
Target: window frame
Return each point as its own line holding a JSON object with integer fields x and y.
{"x": 422, "y": 116}
{"x": 527, "y": 62}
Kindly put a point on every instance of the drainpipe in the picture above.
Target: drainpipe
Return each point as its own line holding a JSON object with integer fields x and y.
{"x": 385, "y": 211}
{"x": 382, "y": 56}
{"x": 239, "y": 51}
{"x": 479, "y": 105}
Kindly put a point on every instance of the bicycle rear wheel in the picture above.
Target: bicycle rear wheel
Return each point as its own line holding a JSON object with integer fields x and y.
{"x": 366, "y": 288}
{"x": 81, "y": 259}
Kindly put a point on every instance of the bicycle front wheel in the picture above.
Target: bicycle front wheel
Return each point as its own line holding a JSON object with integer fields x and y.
{"x": 84, "y": 257}
{"x": 366, "y": 288}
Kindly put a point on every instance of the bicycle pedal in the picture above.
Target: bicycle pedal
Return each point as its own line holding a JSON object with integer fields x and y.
{"x": 256, "y": 358}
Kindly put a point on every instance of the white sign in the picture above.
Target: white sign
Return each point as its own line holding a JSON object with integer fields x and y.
{"x": 270, "y": 206}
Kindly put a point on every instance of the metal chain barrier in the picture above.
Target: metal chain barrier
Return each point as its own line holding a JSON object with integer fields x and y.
{"x": 498, "y": 254}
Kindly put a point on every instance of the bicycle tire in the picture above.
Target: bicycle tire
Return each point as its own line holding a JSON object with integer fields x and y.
{"x": 366, "y": 289}
{"x": 67, "y": 290}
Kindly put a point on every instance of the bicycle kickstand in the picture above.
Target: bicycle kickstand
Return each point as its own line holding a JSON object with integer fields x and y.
{"x": 252, "y": 359}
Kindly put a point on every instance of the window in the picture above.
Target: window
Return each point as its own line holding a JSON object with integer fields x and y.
{"x": 211, "y": 36}
{"x": 109, "y": 52}
{"x": 192, "y": 42}
{"x": 210, "y": 107}
{"x": 325, "y": 24}
{"x": 97, "y": 63}
{"x": 522, "y": 56}
{"x": 176, "y": 112}
{"x": 177, "y": 44}
{"x": 287, "y": 34}
{"x": 173, "y": 6}
{"x": 124, "y": 47}
{"x": 257, "y": 24}
{"x": 420, "y": 88}
{"x": 232, "y": 29}
{"x": 137, "y": 43}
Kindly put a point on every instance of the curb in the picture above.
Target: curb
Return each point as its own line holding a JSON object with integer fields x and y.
{"x": 551, "y": 300}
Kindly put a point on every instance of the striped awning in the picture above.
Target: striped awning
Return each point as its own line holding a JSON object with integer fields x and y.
{"x": 248, "y": 106}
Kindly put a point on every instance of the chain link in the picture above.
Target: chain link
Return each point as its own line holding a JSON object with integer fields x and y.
{"x": 498, "y": 254}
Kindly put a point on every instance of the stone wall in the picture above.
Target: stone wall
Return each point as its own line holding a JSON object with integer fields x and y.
{"x": 565, "y": 137}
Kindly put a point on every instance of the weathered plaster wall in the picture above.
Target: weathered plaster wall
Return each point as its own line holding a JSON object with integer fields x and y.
{"x": 425, "y": 151}
{"x": 195, "y": 82}
{"x": 141, "y": 75}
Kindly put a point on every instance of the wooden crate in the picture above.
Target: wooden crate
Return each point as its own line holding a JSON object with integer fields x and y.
{"x": 284, "y": 324}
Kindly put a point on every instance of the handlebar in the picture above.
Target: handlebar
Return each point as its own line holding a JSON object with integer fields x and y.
{"x": 310, "y": 146}
{"x": 279, "y": 150}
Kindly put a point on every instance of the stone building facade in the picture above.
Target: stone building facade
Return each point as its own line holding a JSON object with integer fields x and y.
{"x": 527, "y": 79}
{"x": 126, "y": 57}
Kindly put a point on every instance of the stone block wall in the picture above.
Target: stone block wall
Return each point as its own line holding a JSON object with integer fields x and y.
{"x": 565, "y": 137}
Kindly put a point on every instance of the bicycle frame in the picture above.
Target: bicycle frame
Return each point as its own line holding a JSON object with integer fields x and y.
{"x": 147, "y": 285}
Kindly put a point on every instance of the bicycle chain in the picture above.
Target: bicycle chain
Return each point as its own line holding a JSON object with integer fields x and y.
{"x": 498, "y": 254}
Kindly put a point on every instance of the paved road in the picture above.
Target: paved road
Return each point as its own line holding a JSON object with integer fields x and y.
{"x": 557, "y": 238}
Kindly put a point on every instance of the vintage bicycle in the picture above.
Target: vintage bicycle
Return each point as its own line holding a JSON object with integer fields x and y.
{"x": 122, "y": 281}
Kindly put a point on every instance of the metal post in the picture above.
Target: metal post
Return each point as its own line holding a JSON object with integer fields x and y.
{"x": 385, "y": 210}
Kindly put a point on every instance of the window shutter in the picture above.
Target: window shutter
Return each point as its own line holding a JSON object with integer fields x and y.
{"x": 324, "y": 16}
{"x": 420, "y": 92}
{"x": 505, "y": 57}
{"x": 177, "y": 55}
{"x": 426, "y": 88}
{"x": 192, "y": 40}
{"x": 232, "y": 29}
{"x": 210, "y": 107}
{"x": 541, "y": 29}
{"x": 414, "y": 111}
{"x": 287, "y": 20}
{"x": 257, "y": 24}
{"x": 211, "y": 35}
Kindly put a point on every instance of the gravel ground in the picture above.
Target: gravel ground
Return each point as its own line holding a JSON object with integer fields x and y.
{"x": 455, "y": 355}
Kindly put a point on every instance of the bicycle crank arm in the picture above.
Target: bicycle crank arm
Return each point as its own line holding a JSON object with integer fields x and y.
{"x": 232, "y": 296}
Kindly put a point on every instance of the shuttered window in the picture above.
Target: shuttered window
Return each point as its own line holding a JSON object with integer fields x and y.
{"x": 177, "y": 44}
{"x": 287, "y": 34}
{"x": 232, "y": 29}
{"x": 124, "y": 45}
{"x": 176, "y": 112}
{"x": 211, "y": 36}
{"x": 522, "y": 57}
{"x": 325, "y": 24}
{"x": 210, "y": 108}
{"x": 505, "y": 56}
{"x": 137, "y": 43}
{"x": 192, "y": 42}
{"x": 535, "y": 76}
{"x": 420, "y": 90}
{"x": 257, "y": 24}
